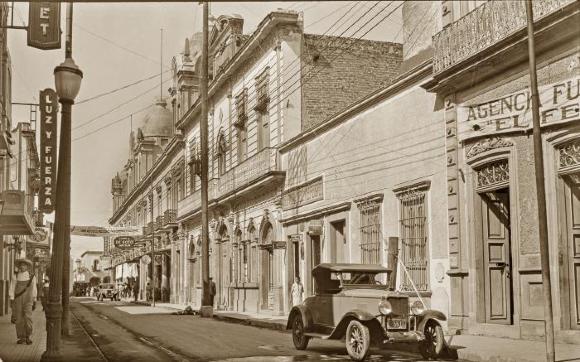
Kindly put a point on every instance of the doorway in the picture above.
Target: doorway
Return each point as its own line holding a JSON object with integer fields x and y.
{"x": 338, "y": 247}
{"x": 571, "y": 257}
{"x": 497, "y": 258}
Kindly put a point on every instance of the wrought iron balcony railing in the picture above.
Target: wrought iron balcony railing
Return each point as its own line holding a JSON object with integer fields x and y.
{"x": 483, "y": 27}
{"x": 247, "y": 171}
{"x": 169, "y": 217}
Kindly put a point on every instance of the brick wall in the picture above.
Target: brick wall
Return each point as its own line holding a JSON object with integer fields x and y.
{"x": 339, "y": 71}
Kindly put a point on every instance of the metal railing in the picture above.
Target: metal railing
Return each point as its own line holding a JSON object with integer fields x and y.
{"x": 483, "y": 27}
{"x": 248, "y": 171}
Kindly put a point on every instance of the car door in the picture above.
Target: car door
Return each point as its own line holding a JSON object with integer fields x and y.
{"x": 320, "y": 310}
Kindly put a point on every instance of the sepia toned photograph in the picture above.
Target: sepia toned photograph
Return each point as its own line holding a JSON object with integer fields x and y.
{"x": 290, "y": 181}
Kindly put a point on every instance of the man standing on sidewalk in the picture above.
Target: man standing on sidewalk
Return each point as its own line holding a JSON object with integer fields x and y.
{"x": 22, "y": 294}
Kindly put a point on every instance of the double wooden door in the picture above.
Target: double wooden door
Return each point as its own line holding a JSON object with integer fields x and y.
{"x": 571, "y": 261}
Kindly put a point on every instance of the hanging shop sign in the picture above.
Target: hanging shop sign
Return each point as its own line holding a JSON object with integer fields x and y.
{"x": 44, "y": 25}
{"x": 559, "y": 103}
{"x": 124, "y": 242}
{"x": 99, "y": 231}
{"x": 48, "y": 114}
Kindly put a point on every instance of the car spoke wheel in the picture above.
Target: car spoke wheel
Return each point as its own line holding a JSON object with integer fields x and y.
{"x": 358, "y": 340}
{"x": 300, "y": 340}
{"x": 434, "y": 342}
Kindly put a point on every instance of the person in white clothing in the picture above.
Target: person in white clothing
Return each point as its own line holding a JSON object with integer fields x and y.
{"x": 297, "y": 291}
{"x": 22, "y": 295}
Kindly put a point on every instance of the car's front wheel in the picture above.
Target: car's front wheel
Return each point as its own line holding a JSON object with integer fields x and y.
{"x": 358, "y": 340}
{"x": 300, "y": 340}
{"x": 432, "y": 346}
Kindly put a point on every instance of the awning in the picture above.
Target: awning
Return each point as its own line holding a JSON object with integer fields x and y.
{"x": 14, "y": 216}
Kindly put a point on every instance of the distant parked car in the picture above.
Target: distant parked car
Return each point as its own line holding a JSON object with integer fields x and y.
{"x": 352, "y": 303}
{"x": 107, "y": 290}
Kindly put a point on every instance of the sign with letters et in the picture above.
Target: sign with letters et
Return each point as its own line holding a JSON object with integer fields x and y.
{"x": 124, "y": 242}
{"x": 559, "y": 103}
{"x": 48, "y": 113}
{"x": 44, "y": 25}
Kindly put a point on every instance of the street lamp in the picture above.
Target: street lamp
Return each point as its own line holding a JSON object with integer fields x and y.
{"x": 67, "y": 78}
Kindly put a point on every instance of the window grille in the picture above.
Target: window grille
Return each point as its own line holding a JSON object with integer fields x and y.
{"x": 241, "y": 109}
{"x": 262, "y": 91}
{"x": 414, "y": 252}
{"x": 370, "y": 232}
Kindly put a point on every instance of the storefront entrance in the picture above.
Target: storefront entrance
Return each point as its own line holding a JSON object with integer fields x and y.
{"x": 497, "y": 269}
{"x": 571, "y": 264}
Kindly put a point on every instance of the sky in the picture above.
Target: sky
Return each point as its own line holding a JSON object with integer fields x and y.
{"x": 117, "y": 45}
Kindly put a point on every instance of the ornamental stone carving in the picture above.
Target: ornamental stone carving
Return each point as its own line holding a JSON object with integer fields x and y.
{"x": 570, "y": 155}
{"x": 493, "y": 176}
{"x": 488, "y": 144}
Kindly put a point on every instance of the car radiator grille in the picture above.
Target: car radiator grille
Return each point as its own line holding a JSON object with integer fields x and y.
{"x": 399, "y": 319}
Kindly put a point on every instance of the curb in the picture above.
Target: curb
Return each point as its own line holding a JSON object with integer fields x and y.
{"x": 252, "y": 322}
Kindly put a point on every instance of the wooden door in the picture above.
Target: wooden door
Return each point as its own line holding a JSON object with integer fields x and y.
{"x": 497, "y": 257}
{"x": 338, "y": 250}
{"x": 573, "y": 249}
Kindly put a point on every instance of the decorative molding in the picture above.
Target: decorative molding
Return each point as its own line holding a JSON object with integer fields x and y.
{"x": 369, "y": 199}
{"x": 492, "y": 176}
{"x": 303, "y": 194}
{"x": 331, "y": 209}
{"x": 411, "y": 188}
{"x": 487, "y": 145}
{"x": 569, "y": 157}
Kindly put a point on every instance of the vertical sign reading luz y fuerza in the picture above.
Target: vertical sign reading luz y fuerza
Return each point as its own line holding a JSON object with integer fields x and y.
{"x": 48, "y": 113}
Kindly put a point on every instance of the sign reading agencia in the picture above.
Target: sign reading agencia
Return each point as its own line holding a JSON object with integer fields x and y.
{"x": 559, "y": 103}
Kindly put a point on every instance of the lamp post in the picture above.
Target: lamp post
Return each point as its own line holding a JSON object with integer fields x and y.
{"x": 67, "y": 83}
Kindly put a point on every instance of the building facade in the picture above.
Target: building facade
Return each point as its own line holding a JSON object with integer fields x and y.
{"x": 484, "y": 99}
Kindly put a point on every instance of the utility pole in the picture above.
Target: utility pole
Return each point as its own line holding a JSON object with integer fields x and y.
{"x": 541, "y": 192}
{"x": 153, "y": 267}
{"x": 206, "y": 305}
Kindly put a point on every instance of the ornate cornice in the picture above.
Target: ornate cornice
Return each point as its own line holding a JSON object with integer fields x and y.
{"x": 487, "y": 145}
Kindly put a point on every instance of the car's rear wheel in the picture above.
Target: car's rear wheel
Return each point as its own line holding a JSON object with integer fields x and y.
{"x": 432, "y": 346}
{"x": 300, "y": 340}
{"x": 358, "y": 340}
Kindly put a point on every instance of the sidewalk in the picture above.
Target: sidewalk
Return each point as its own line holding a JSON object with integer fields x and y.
{"x": 77, "y": 347}
{"x": 482, "y": 348}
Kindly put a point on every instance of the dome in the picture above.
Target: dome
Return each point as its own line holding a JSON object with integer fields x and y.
{"x": 158, "y": 121}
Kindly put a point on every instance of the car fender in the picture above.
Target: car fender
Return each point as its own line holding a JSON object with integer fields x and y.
{"x": 304, "y": 312}
{"x": 428, "y": 315}
{"x": 340, "y": 329}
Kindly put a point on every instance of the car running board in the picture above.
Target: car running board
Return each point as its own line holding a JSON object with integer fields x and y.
{"x": 317, "y": 335}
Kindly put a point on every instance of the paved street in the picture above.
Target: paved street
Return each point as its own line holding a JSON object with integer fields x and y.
{"x": 164, "y": 337}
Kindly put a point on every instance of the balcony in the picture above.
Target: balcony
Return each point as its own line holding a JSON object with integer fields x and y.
{"x": 247, "y": 172}
{"x": 159, "y": 222}
{"x": 193, "y": 201}
{"x": 484, "y": 27}
{"x": 15, "y": 213}
{"x": 169, "y": 218}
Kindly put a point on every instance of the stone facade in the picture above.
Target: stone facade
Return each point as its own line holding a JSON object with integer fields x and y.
{"x": 496, "y": 283}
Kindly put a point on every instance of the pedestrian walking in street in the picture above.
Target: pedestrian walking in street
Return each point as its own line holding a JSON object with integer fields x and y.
{"x": 22, "y": 295}
{"x": 44, "y": 297}
{"x": 212, "y": 290}
{"x": 135, "y": 290}
{"x": 148, "y": 291}
{"x": 297, "y": 291}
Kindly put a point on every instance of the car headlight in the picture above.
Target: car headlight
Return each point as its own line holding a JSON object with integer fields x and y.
{"x": 417, "y": 308}
{"x": 385, "y": 307}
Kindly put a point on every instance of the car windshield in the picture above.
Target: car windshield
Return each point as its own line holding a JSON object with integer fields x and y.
{"x": 364, "y": 278}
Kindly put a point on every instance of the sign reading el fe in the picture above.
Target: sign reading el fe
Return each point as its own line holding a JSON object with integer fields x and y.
{"x": 44, "y": 25}
{"x": 48, "y": 113}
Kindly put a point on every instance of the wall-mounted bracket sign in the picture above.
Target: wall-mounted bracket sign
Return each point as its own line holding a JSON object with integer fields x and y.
{"x": 48, "y": 114}
{"x": 124, "y": 242}
{"x": 44, "y": 25}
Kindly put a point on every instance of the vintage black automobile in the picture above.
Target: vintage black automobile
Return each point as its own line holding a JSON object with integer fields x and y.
{"x": 353, "y": 302}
